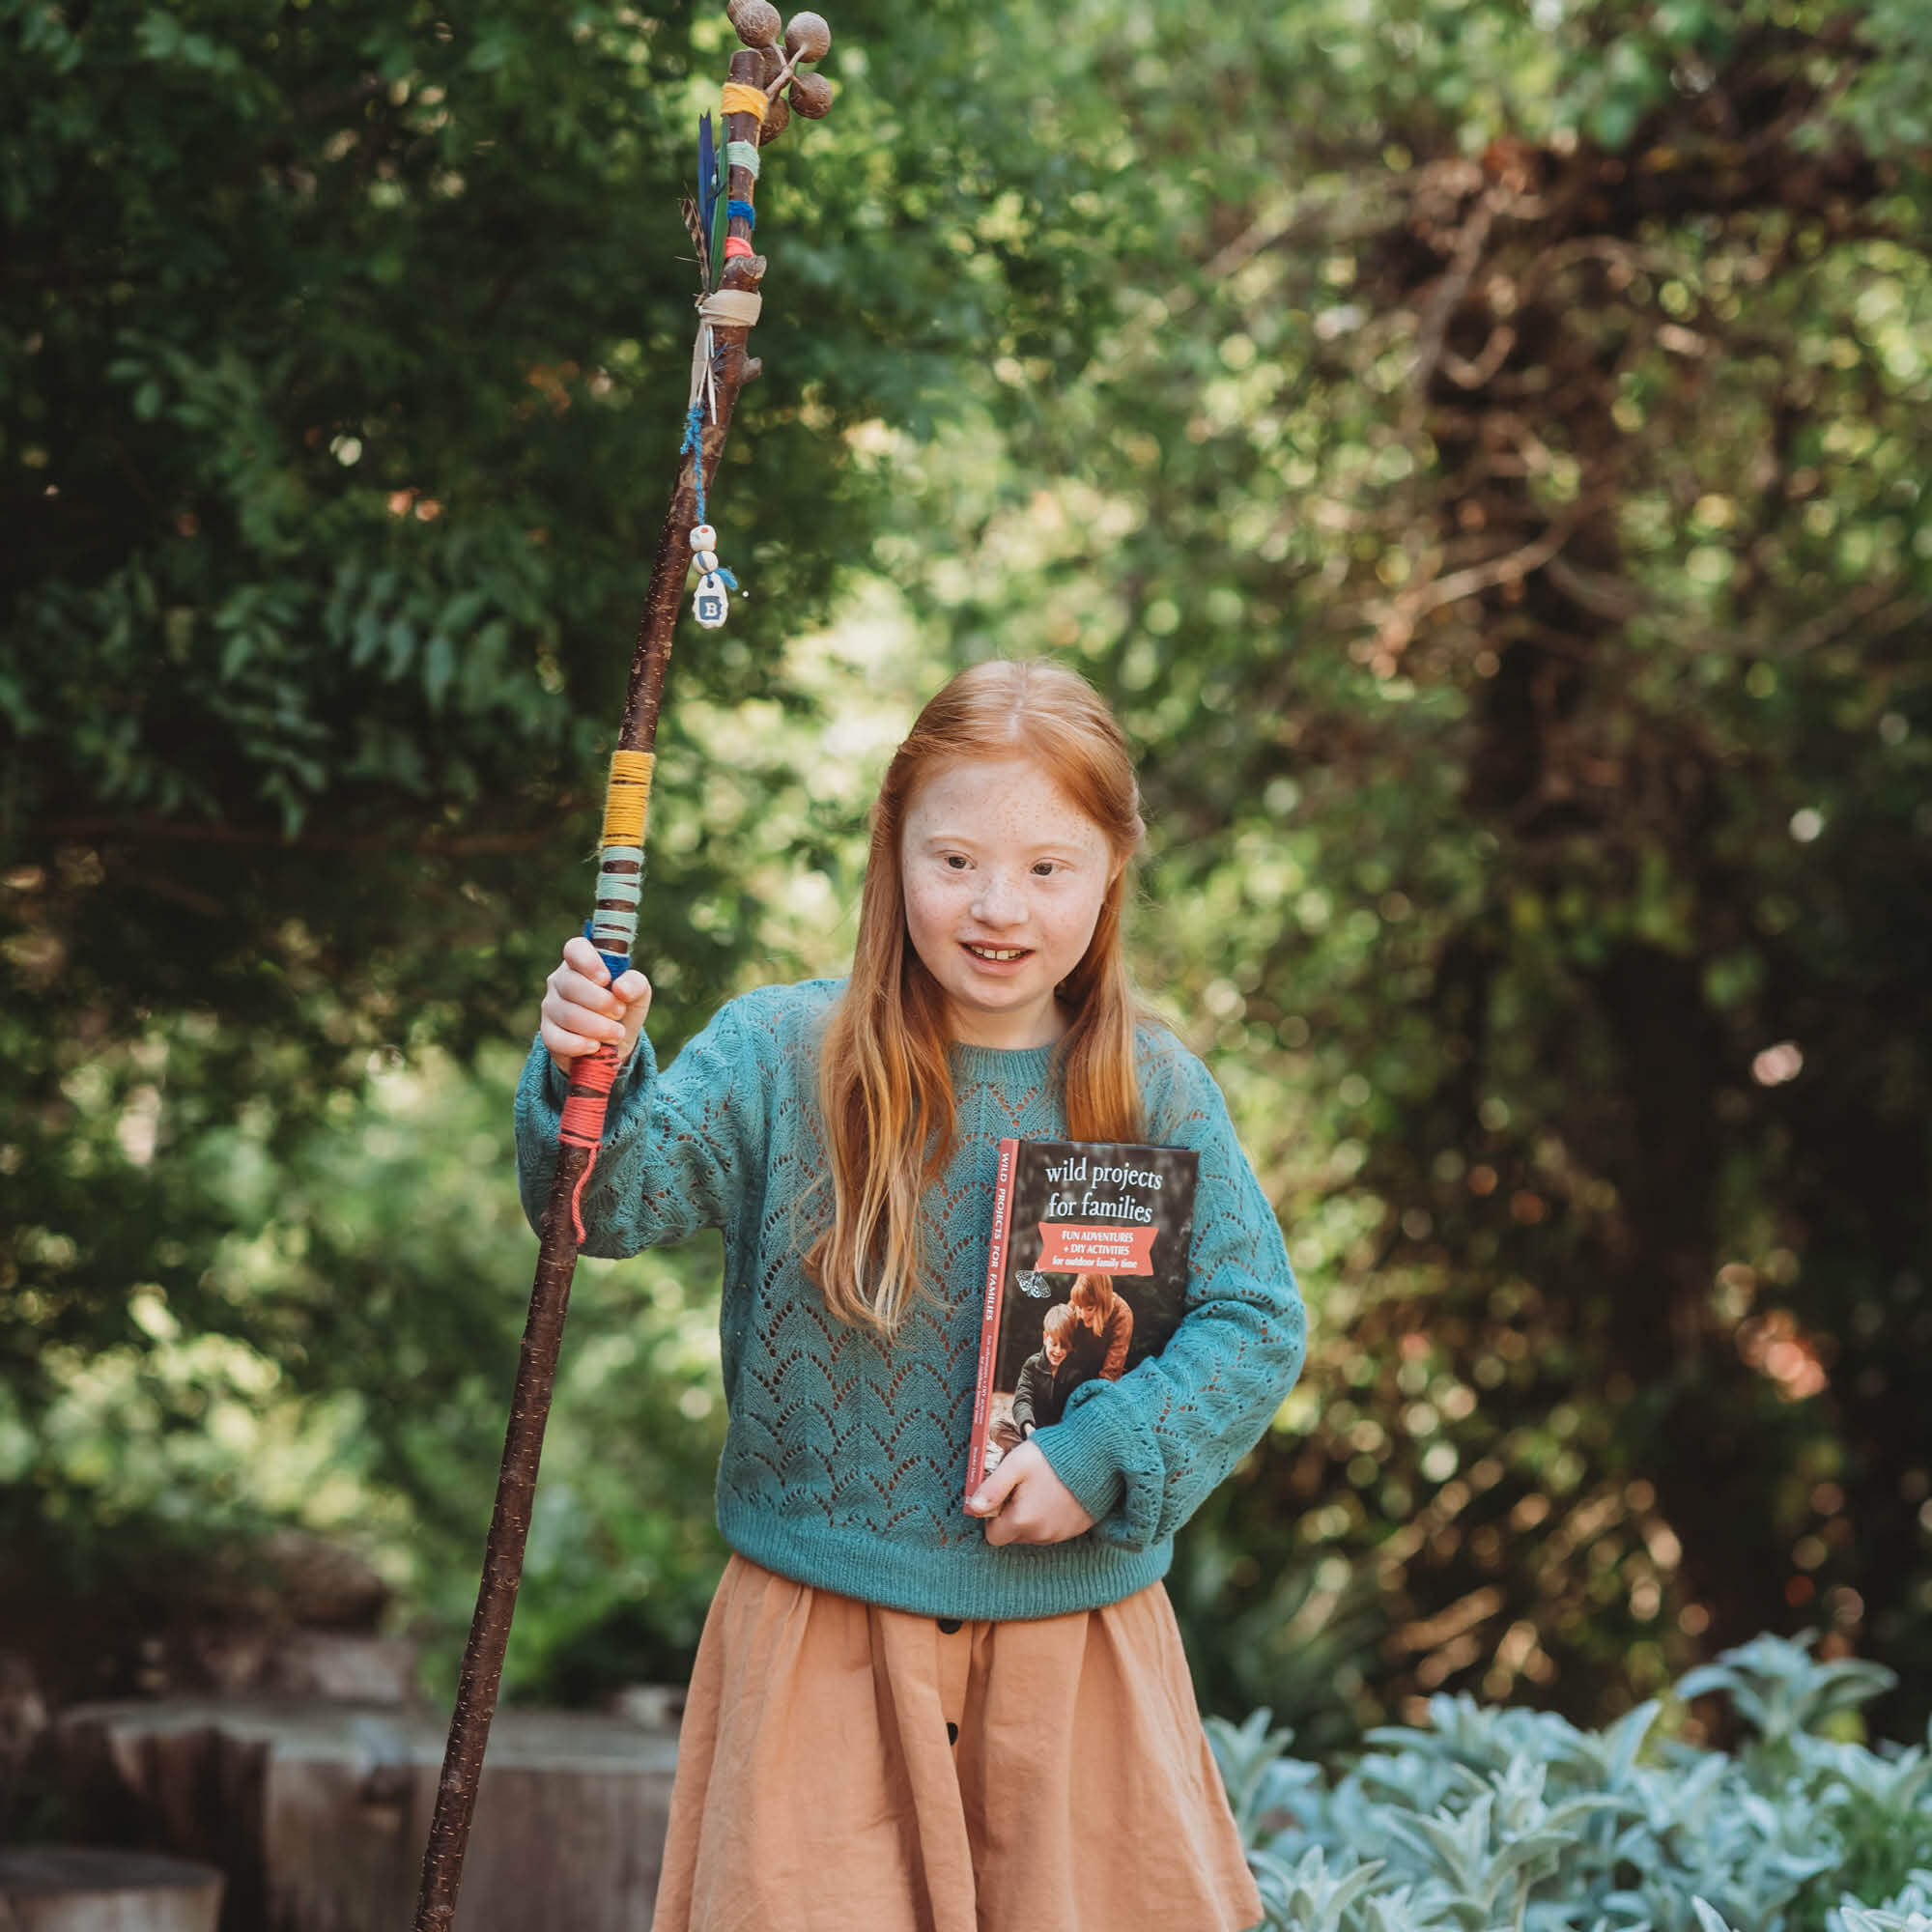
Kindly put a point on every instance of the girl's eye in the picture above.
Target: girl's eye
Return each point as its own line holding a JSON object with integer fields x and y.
{"x": 957, "y": 860}
{"x": 1045, "y": 869}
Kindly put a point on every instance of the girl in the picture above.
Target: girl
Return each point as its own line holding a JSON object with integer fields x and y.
{"x": 1107, "y": 1322}
{"x": 902, "y": 1715}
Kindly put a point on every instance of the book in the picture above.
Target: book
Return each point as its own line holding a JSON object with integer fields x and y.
{"x": 1086, "y": 1276}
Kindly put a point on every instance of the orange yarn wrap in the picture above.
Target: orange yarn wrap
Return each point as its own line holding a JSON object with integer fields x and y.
{"x": 591, "y": 1079}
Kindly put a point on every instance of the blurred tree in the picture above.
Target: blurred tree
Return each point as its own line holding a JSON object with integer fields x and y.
{"x": 340, "y": 383}
{"x": 1500, "y": 513}
{"x": 1479, "y": 448}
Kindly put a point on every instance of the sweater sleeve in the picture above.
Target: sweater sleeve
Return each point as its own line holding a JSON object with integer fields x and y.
{"x": 680, "y": 1145}
{"x": 1141, "y": 1454}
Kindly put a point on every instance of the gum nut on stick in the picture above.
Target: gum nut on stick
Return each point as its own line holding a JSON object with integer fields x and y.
{"x": 808, "y": 37}
{"x": 778, "y": 118}
{"x": 812, "y": 94}
{"x": 757, "y": 22}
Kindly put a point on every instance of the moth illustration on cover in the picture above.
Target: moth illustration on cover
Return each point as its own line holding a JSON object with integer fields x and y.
{"x": 1086, "y": 1278}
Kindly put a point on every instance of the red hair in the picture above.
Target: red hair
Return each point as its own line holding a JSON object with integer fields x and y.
{"x": 885, "y": 1085}
{"x": 1092, "y": 1294}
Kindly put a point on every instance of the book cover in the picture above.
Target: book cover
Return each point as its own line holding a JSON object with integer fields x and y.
{"x": 1086, "y": 1276}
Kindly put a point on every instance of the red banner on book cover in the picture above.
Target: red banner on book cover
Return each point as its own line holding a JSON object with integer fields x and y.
{"x": 1090, "y": 1247}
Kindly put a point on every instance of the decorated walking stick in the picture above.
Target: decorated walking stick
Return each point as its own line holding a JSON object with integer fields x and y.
{"x": 763, "y": 72}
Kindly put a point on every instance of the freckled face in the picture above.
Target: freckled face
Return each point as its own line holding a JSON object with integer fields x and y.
{"x": 1003, "y": 881}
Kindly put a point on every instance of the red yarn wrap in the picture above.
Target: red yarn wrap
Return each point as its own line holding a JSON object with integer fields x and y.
{"x": 591, "y": 1079}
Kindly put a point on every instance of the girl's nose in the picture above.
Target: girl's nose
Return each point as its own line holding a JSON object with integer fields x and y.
{"x": 998, "y": 903}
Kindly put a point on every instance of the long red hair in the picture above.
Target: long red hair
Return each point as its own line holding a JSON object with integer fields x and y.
{"x": 885, "y": 1085}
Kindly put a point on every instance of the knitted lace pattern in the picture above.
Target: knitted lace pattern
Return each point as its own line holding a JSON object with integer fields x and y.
{"x": 845, "y": 1460}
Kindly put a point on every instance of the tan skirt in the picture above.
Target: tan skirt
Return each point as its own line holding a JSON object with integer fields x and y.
{"x": 847, "y": 1767}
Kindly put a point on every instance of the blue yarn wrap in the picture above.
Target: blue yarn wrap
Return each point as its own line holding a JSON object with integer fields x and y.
{"x": 619, "y": 963}
{"x": 742, "y": 211}
{"x": 694, "y": 447}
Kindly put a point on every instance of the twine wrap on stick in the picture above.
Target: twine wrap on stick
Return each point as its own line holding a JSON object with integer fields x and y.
{"x": 754, "y": 114}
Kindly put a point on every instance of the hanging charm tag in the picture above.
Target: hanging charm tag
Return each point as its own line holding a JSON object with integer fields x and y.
{"x": 711, "y": 603}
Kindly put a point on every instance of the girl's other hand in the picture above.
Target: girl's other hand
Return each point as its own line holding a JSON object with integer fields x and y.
{"x": 582, "y": 1011}
{"x": 1023, "y": 1501}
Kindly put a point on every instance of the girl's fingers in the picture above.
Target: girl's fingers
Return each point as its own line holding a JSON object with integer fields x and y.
{"x": 580, "y": 1023}
{"x": 990, "y": 1496}
{"x": 583, "y": 996}
{"x": 580, "y": 954}
{"x": 575, "y": 1002}
{"x": 1031, "y": 1504}
{"x": 564, "y": 1046}
{"x": 575, "y": 984}
{"x": 1015, "y": 1524}
{"x": 581, "y": 975}
{"x": 582, "y": 1011}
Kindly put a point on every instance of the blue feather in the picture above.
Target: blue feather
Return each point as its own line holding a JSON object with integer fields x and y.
{"x": 707, "y": 172}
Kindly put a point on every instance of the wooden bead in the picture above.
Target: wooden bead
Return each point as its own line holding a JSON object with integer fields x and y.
{"x": 812, "y": 94}
{"x": 703, "y": 537}
{"x": 707, "y": 561}
{"x": 778, "y": 118}
{"x": 808, "y": 37}
{"x": 757, "y": 22}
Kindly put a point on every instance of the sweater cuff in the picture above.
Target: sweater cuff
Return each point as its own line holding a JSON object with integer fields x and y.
{"x": 1082, "y": 1449}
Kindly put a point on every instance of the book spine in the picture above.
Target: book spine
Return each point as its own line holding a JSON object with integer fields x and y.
{"x": 990, "y": 1322}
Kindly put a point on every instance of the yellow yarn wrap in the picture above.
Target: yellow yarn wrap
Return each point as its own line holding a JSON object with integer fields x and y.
{"x": 742, "y": 99}
{"x": 627, "y": 798}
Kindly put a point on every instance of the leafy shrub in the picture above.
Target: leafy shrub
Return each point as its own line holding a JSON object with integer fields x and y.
{"x": 1510, "y": 1818}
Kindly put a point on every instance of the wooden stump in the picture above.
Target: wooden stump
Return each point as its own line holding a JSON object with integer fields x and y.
{"x": 318, "y": 1812}
{"x": 63, "y": 1889}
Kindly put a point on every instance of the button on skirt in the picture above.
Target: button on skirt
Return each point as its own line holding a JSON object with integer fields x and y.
{"x": 844, "y": 1766}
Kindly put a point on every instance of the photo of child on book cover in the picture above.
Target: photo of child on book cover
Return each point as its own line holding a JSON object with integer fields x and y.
{"x": 1045, "y": 1382}
{"x": 1062, "y": 1324}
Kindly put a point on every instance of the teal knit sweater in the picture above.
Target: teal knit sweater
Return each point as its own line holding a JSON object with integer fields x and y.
{"x": 844, "y": 1463}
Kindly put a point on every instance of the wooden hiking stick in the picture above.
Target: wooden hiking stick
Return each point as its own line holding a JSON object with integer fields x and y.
{"x": 753, "y": 112}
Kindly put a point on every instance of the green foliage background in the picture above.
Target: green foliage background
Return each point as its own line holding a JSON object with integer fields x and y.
{"x": 1479, "y": 447}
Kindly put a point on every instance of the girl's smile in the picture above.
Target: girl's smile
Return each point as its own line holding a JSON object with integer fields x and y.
{"x": 1004, "y": 879}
